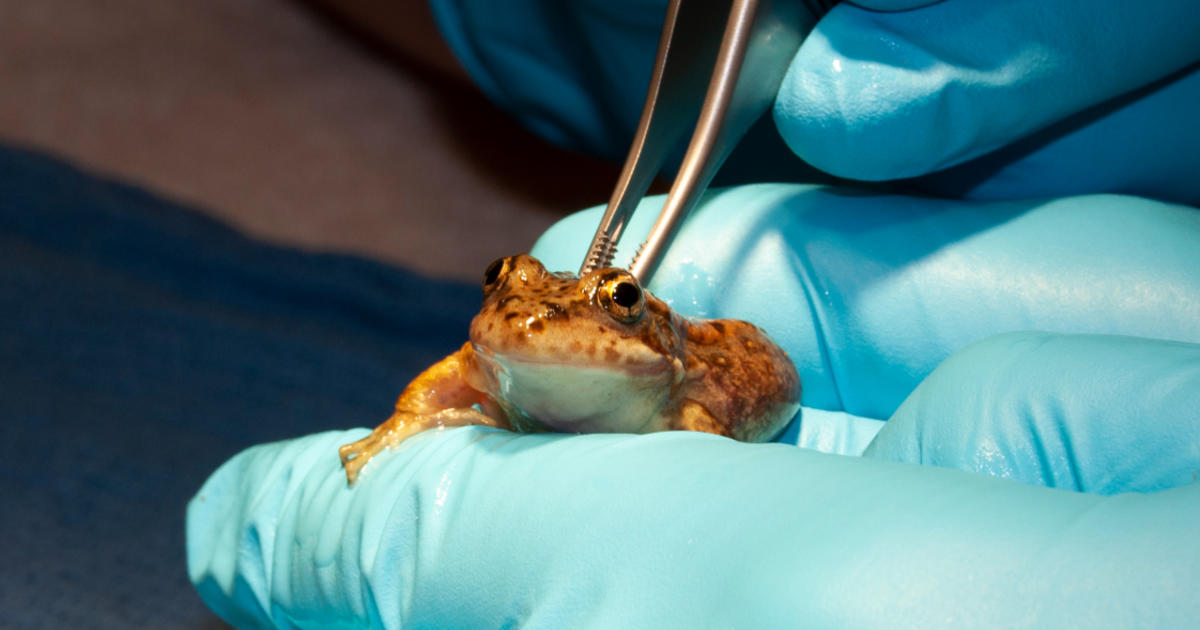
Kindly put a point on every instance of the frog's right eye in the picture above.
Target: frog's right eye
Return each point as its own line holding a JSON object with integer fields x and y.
{"x": 493, "y": 273}
{"x": 621, "y": 296}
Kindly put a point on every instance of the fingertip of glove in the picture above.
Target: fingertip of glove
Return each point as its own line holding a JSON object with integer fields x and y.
{"x": 1085, "y": 412}
{"x": 242, "y": 484}
{"x": 232, "y": 520}
{"x": 857, "y": 118}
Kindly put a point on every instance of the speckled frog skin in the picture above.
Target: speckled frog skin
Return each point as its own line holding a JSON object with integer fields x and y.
{"x": 552, "y": 351}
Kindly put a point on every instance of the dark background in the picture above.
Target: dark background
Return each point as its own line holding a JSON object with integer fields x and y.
{"x": 327, "y": 124}
{"x": 223, "y": 223}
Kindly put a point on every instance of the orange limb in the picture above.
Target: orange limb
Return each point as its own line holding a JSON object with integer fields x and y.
{"x": 441, "y": 396}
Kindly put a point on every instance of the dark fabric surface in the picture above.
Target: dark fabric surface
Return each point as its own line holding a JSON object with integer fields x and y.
{"x": 141, "y": 345}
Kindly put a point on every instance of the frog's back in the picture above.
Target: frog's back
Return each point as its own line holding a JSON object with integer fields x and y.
{"x": 743, "y": 380}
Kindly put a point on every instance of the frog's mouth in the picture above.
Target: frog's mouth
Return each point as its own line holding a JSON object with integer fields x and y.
{"x": 575, "y": 398}
{"x": 649, "y": 365}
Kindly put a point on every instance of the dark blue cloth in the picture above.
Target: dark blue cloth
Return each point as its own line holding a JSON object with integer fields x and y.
{"x": 141, "y": 345}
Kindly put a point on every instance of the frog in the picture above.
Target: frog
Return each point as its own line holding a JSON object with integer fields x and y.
{"x": 597, "y": 353}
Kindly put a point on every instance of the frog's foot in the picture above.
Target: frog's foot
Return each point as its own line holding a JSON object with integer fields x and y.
{"x": 693, "y": 416}
{"x": 400, "y": 427}
{"x": 356, "y": 454}
{"x": 395, "y": 430}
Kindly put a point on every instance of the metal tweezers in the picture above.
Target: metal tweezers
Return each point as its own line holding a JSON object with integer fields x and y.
{"x": 749, "y": 55}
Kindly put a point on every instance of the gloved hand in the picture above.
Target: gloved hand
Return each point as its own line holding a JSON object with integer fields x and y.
{"x": 1069, "y": 98}
{"x": 868, "y": 294}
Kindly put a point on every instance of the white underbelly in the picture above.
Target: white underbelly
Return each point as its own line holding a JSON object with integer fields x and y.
{"x": 575, "y": 399}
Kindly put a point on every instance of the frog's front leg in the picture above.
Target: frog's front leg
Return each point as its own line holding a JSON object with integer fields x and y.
{"x": 441, "y": 396}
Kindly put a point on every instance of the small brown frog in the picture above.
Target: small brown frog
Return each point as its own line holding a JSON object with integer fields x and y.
{"x": 552, "y": 351}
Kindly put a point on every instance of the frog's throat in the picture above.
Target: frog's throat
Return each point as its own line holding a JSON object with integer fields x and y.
{"x": 582, "y": 398}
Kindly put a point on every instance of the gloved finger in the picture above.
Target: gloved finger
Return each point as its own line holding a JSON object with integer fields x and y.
{"x": 875, "y": 96}
{"x": 1142, "y": 144}
{"x": 1080, "y": 412}
{"x": 480, "y": 528}
{"x": 869, "y": 293}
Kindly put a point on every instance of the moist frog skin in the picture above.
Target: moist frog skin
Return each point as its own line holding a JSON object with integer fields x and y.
{"x": 592, "y": 354}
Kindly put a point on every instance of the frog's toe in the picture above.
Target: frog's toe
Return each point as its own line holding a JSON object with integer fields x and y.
{"x": 356, "y": 455}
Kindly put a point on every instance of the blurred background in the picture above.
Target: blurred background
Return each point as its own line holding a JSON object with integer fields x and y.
{"x": 224, "y": 223}
{"x": 326, "y": 125}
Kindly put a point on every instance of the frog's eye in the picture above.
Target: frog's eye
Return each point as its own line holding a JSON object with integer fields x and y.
{"x": 623, "y": 299}
{"x": 493, "y": 273}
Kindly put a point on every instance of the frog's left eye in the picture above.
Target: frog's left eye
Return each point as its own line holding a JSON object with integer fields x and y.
{"x": 493, "y": 273}
{"x": 623, "y": 299}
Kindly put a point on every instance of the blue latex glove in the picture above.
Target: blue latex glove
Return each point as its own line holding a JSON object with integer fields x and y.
{"x": 1069, "y": 97}
{"x": 1098, "y": 96}
{"x": 480, "y": 527}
